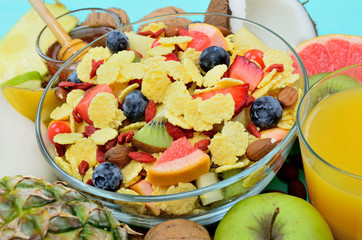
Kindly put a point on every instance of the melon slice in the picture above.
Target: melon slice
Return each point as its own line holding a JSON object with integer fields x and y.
{"x": 181, "y": 162}
{"x": 17, "y": 47}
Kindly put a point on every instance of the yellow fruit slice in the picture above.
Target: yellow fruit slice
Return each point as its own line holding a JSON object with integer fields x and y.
{"x": 17, "y": 47}
{"x": 26, "y": 100}
{"x": 139, "y": 43}
{"x": 244, "y": 38}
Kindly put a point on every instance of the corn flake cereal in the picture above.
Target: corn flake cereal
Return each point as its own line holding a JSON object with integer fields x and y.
{"x": 237, "y": 135}
{"x": 133, "y": 126}
{"x": 214, "y": 75}
{"x": 83, "y": 149}
{"x": 191, "y": 54}
{"x": 63, "y": 164}
{"x": 160, "y": 50}
{"x": 74, "y": 97}
{"x": 222, "y": 150}
{"x": 88, "y": 175}
{"x": 101, "y": 136}
{"x": 132, "y": 71}
{"x": 62, "y": 113}
{"x": 67, "y": 138}
{"x": 193, "y": 71}
{"x": 155, "y": 84}
{"x": 127, "y": 90}
{"x": 177, "y": 120}
{"x": 177, "y": 71}
{"x": 217, "y": 108}
{"x": 85, "y": 66}
{"x": 193, "y": 117}
{"x": 154, "y": 27}
{"x": 177, "y": 207}
{"x": 109, "y": 72}
{"x": 239, "y": 164}
{"x": 130, "y": 172}
{"x": 175, "y": 98}
{"x": 102, "y": 109}
{"x": 273, "y": 56}
{"x": 197, "y": 136}
{"x": 174, "y": 40}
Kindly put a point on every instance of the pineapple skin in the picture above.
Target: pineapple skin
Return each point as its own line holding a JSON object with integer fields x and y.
{"x": 32, "y": 208}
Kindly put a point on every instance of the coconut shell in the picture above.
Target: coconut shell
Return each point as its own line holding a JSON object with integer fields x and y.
{"x": 218, "y": 6}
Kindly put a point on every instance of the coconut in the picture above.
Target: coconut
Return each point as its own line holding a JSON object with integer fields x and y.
{"x": 288, "y": 18}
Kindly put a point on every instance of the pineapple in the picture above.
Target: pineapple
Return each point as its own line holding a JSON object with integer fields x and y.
{"x": 17, "y": 48}
{"x": 32, "y": 208}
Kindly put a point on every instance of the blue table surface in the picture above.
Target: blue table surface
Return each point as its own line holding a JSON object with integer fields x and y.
{"x": 331, "y": 16}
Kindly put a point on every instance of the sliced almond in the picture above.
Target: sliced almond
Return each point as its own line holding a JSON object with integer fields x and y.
{"x": 288, "y": 96}
{"x": 258, "y": 149}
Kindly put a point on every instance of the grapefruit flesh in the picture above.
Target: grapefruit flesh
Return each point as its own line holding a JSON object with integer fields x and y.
{"x": 329, "y": 53}
{"x": 179, "y": 163}
{"x": 215, "y": 36}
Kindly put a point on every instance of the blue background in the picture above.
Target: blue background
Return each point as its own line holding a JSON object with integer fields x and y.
{"x": 331, "y": 16}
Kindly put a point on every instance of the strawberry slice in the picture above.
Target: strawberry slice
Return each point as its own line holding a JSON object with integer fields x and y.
{"x": 239, "y": 94}
{"x": 247, "y": 71}
{"x": 83, "y": 105}
{"x": 171, "y": 57}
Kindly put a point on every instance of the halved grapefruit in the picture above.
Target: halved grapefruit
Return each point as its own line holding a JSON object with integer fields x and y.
{"x": 215, "y": 36}
{"x": 329, "y": 53}
{"x": 181, "y": 162}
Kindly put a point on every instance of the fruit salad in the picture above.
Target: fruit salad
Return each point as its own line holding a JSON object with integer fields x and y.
{"x": 155, "y": 113}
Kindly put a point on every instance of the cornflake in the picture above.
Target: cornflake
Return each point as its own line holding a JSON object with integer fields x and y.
{"x": 74, "y": 97}
{"x": 214, "y": 75}
{"x": 84, "y": 149}
{"x": 130, "y": 172}
{"x": 100, "y": 137}
{"x": 175, "y": 98}
{"x": 67, "y": 138}
{"x": 127, "y": 90}
{"x": 155, "y": 84}
{"x": 217, "y": 108}
{"x": 193, "y": 117}
{"x": 62, "y": 112}
{"x": 85, "y": 66}
{"x": 193, "y": 71}
{"x": 239, "y": 164}
{"x": 177, "y": 207}
{"x": 109, "y": 72}
{"x": 102, "y": 109}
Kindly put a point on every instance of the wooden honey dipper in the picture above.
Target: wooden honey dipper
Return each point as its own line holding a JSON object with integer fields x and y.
{"x": 69, "y": 46}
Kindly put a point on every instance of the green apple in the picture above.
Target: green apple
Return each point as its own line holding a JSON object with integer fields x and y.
{"x": 273, "y": 216}
{"x": 31, "y": 80}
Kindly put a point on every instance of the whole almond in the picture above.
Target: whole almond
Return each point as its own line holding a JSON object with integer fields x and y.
{"x": 258, "y": 149}
{"x": 61, "y": 94}
{"x": 171, "y": 31}
{"x": 297, "y": 189}
{"x": 119, "y": 155}
{"x": 288, "y": 96}
{"x": 288, "y": 172}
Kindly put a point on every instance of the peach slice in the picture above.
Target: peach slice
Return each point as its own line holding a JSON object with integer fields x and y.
{"x": 276, "y": 133}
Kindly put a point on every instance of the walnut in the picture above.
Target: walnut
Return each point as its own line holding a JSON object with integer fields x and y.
{"x": 173, "y": 21}
{"x": 97, "y": 19}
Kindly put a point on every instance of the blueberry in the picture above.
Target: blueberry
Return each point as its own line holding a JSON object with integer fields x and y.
{"x": 213, "y": 56}
{"x": 116, "y": 41}
{"x": 134, "y": 106}
{"x": 107, "y": 176}
{"x": 73, "y": 77}
{"x": 266, "y": 112}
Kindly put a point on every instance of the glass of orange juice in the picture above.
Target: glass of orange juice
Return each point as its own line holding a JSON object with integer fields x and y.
{"x": 329, "y": 122}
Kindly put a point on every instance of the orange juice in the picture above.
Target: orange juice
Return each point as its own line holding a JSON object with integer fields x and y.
{"x": 333, "y": 130}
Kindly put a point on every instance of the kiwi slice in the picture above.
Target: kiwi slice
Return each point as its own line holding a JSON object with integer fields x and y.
{"x": 333, "y": 85}
{"x": 153, "y": 134}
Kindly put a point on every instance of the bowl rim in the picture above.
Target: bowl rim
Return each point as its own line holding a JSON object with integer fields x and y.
{"x": 157, "y": 198}
{"x": 104, "y": 10}
{"x": 299, "y": 125}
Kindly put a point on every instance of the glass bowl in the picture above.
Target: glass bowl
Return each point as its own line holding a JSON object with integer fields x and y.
{"x": 80, "y": 25}
{"x": 248, "y": 182}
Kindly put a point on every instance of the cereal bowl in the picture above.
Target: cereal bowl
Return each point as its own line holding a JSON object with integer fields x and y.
{"x": 215, "y": 157}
